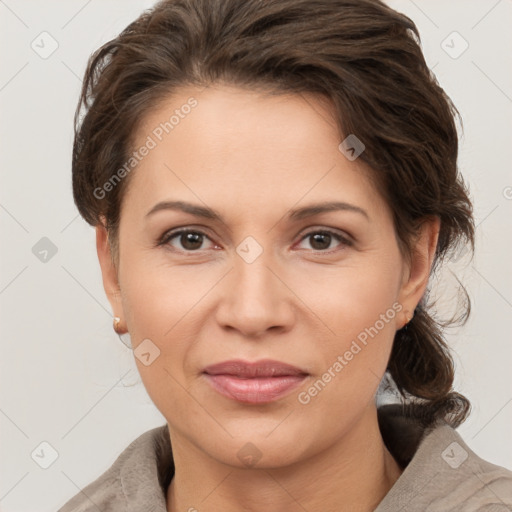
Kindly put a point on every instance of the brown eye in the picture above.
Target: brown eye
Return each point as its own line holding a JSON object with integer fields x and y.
{"x": 189, "y": 240}
{"x": 322, "y": 240}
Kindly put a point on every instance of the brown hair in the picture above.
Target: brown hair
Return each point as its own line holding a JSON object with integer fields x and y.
{"x": 362, "y": 55}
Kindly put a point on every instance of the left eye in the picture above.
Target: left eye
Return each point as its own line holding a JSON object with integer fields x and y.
{"x": 323, "y": 239}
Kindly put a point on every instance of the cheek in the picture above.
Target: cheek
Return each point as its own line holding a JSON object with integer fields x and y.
{"x": 169, "y": 305}
{"x": 360, "y": 308}
{"x": 159, "y": 314}
{"x": 157, "y": 299}
{"x": 351, "y": 298}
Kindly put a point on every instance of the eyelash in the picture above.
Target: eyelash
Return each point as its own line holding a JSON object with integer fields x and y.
{"x": 168, "y": 236}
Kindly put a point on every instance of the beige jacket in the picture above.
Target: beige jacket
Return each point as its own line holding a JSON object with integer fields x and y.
{"x": 441, "y": 474}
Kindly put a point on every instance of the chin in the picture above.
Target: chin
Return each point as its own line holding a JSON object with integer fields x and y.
{"x": 262, "y": 443}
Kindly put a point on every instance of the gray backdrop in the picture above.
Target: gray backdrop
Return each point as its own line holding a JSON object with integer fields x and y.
{"x": 66, "y": 379}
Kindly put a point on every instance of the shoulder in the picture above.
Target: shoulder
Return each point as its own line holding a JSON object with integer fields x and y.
{"x": 446, "y": 475}
{"x": 131, "y": 481}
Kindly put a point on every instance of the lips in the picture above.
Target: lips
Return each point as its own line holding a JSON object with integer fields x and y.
{"x": 247, "y": 370}
{"x": 254, "y": 382}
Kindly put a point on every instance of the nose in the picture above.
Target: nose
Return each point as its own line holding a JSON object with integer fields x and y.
{"x": 255, "y": 298}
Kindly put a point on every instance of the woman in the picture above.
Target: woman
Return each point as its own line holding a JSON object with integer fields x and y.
{"x": 272, "y": 183}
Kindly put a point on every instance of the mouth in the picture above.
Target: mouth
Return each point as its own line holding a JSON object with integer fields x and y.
{"x": 254, "y": 382}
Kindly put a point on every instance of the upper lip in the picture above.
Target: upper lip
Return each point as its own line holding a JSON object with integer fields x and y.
{"x": 248, "y": 369}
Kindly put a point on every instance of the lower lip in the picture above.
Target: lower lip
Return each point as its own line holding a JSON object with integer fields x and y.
{"x": 254, "y": 390}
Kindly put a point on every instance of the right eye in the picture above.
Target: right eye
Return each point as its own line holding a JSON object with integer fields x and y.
{"x": 190, "y": 240}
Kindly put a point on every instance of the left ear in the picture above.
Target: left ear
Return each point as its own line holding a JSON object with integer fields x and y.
{"x": 417, "y": 272}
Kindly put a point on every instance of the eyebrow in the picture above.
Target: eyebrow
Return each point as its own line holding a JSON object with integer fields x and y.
{"x": 293, "y": 215}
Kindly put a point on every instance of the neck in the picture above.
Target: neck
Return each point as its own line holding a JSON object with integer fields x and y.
{"x": 353, "y": 474}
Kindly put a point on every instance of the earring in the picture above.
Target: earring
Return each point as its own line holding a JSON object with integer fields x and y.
{"x": 123, "y": 335}
{"x": 408, "y": 318}
{"x": 117, "y": 321}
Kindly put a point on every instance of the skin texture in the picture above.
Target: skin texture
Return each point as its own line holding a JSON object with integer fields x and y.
{"x": 253, "y": 158}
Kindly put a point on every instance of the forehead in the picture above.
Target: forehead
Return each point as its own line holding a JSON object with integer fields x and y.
{"x": 224, "y": 139}
{"x": 224, "y": 117}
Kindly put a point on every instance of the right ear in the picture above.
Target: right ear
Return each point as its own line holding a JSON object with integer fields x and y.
{"x": 108, "y": 271}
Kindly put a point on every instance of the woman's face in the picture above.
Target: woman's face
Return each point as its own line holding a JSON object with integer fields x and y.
{"x": 266, "y": 278}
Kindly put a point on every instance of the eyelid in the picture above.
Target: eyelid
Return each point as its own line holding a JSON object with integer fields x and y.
{"x": 331, "y": 231}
